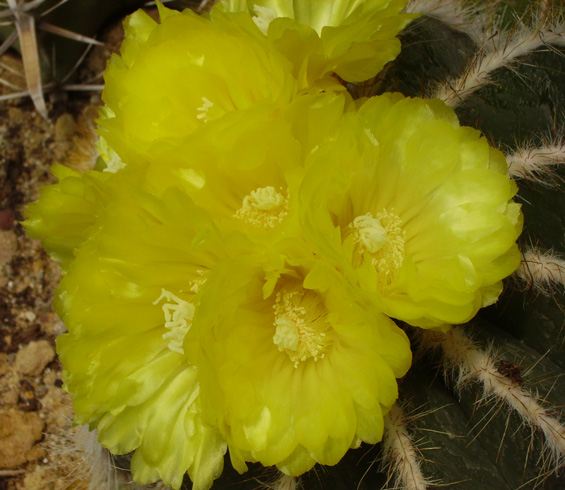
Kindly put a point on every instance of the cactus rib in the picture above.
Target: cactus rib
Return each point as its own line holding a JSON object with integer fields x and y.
{"x": 400, "y": 454}
{"x": 465, "y": 362}
{"x": 541, "y": 269}
{"x": 500, "y": 52}
{"x": 536, "y": 164}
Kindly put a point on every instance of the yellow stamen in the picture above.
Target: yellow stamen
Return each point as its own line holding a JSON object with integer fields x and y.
{"x": 369, "y": 233}
{"x": 207, "y": 104}
{"x": 264, "y": 207}
{"x": 302, "y": 329}
{"x": 196, "y": 284}
{"x": 383, "y": 238}
{"x": 178, "y": 319}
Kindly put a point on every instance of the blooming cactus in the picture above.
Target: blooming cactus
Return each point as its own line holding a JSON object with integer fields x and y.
{"x": 232, "y": 278}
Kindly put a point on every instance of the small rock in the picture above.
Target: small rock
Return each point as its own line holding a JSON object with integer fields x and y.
{"x": 34, "y": 357}
{"x": 9, "y": 397}
{"x": 30, "y": 316}
{"x": 50, "y": 377}
{"x": 18, "y": 434}
{"x": 8, "y": 246}
{"x": 7, "y": 219}
{"x": 51, "y": 324}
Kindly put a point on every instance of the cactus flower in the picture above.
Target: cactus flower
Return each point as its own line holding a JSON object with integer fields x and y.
{"x": 248, "y": 291}
{"x": 231, "y": 278}
{"x": 353, "y": 39}
{"x": 419, "y": 208}
{"x": 297, "y": 369}
{"x": 66, "y": 212}
{"x": 183, "y": 73}
{"x": 184, "y": 262}
{"x": 163, "y": 368}
{"x": 128, "y": 300}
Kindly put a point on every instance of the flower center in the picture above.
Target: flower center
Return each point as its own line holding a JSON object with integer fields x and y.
{"x": 383, "y": 238}
{"x": 264, "y": 207}
{"x": 369, "y": 233}
{"x": 302, "y": 329}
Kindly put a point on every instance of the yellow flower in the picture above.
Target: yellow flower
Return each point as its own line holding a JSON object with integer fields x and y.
{"x": 239, "y": 278}
{"x": 351, "y": 38}
{"x": 150, "y": 349}
{"x": 419, "y": 210}
{"x": 128, "y": 301}
{"x": 246, "y": 170}
{"x": 65, "y": 213}
{"x": 296, "y": 366}
{"x": 176, "y": 76}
